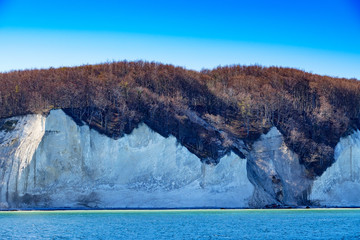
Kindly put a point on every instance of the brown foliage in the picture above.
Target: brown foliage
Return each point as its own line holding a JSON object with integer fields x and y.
{"x": 207, "y": 111}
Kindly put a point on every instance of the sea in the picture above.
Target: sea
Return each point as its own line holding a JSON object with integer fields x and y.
{"x": 182, "y": 224}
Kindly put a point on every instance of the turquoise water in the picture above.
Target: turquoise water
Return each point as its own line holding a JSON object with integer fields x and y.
{"x": 182, "y": 224}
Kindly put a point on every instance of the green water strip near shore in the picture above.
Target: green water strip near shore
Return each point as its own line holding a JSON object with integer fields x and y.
{"x": 130, "y": 211}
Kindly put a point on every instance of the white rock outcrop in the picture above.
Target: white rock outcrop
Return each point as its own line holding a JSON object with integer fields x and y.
{"x": 276, "y": 173}
{"x": 17, "y": 147}
{"x": 339, "y": 185}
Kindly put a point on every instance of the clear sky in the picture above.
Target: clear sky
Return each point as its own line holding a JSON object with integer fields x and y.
{"x": 319, "y": 36}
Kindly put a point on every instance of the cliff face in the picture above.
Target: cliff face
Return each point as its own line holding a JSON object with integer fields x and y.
{"x": 18, "y": 143}
{"x": 340, "y": 184}
{"x": 276, "y": 173}
{"x": 74, "y": 166}
{"x": 52, "y": 162}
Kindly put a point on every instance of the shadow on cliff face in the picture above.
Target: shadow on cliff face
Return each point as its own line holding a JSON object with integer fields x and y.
{"x": 29, "y": 200}
{"x": 90, "y": 200}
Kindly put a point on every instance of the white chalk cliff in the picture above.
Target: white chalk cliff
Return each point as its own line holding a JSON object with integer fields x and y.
{"x": 276, "y": 173}
{"x": 340, "y": 184}
{"x": 75, "y": 167}
{"x": 51, "y": 162}
{"x": 17, "y": 148}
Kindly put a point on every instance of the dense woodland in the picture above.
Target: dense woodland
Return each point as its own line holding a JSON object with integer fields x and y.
{"x": 210, "y": 112}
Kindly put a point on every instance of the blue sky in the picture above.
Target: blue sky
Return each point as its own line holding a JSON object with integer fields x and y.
{"x": 317, "y": 36}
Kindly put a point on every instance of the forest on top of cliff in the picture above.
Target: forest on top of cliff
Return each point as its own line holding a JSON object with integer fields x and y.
{"x": 211, "y": 112}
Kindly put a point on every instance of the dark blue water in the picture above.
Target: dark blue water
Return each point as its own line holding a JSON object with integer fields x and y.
{"x": 182, "y": 224}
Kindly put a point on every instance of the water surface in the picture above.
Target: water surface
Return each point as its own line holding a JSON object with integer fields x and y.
{"x": 182, "y": 224}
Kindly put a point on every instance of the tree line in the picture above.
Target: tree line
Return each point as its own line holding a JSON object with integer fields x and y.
{"x": 209, "y": 111}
